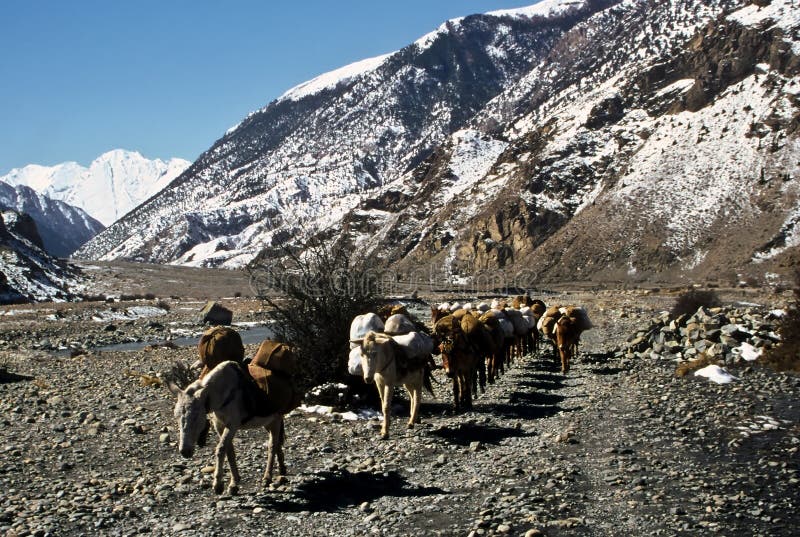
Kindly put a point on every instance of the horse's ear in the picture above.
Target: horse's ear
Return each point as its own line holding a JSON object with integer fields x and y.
{"x": 172, "y": 387}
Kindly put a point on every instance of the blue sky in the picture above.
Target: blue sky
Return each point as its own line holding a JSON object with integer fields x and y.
{"x": 167, "y": 78}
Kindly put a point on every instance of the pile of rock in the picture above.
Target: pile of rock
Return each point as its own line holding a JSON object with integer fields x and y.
{"x": 731, "y": 334}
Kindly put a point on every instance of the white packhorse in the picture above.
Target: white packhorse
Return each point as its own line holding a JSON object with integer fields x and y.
{"x": 221, "y": 393}
{"x": 379, "y": 362}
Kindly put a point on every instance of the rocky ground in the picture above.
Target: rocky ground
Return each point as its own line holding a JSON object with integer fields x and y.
{"x": 619, "y": 446}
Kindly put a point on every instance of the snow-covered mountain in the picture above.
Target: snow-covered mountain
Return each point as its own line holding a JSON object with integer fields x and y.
{"x": 309, "y": 157}
{"x": 61, "y": 227}
{"x": 574, "y": 139}
{"x": 27, "y": 273}
{"x": 113, "y": 184}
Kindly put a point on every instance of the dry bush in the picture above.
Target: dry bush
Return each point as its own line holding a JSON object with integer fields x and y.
{"x": 786, "y": 355}
{"x": 691, "y": 300}
{"x": 94, "y": 298}
{"x": 691, "y": 366}
{"x": 180, "y": 374}
{"x": 314, "y": 291}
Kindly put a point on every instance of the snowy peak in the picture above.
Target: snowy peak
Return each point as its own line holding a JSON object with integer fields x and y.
{"x": 333, "y": 78}
{"x": 113, "y": 184}
{"x": 544, "y": 9}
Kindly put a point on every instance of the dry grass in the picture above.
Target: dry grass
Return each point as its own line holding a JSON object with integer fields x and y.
{"x": 144, "y": 379}
{"x": 691, "y": 366}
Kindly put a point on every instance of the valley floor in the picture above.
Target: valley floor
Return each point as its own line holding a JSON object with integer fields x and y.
{"x": 618, "y": 446}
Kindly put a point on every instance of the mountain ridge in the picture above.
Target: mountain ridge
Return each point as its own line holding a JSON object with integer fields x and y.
{"x": 585, "y": 121}
{"x": 62, "y": 227}
{"x": 112, "y": 184}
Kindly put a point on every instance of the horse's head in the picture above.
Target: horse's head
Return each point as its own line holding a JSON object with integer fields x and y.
{"x": 446, "y": 349}
{"x": 566, "y": 333}
{"x": 374, "y": 351}
{"x": 190, "y": 412}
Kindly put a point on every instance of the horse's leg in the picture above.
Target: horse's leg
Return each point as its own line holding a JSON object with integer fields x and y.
{"x": 222, "y": 449}
{"x": 456, "y": 393}
{"x": 274, "y": 448}
{"x": 385, "y": 391}
{"x": 468, "y": 394}
{"x": 482, "y": 373}
{"x": 414, "y": 390}
{"x": 281, "y": 441}
{"x": 473, "y": 377}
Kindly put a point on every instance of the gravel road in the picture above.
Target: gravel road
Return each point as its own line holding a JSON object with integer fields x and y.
{"x": 619, "y": 446}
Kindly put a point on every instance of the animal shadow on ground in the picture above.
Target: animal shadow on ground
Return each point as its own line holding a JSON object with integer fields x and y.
{"x": 533, "y": 399}
{"x": 331, "y": 491}
{"x": 465, "y": 433}
{"x": 606, "y": 370}
{"x": 7, "y": 377}
{"x": 595, "y": 357}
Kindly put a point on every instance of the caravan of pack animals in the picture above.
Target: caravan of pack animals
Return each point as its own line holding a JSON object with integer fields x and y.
{"x": 390, "y": 348}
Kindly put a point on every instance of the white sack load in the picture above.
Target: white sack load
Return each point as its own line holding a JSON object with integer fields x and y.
{"x": 415, "y": 344}
{"x": 398, "y": 324}
{"x": 363, "y": 324}
{"x": 354, "y": 362}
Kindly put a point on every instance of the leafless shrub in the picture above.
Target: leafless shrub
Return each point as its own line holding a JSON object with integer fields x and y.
{"x": 313, "y": 291}
{"x": 94, "y": 298}
{"x": 786, "y": 355}
{"x": 181, "y": 374}
{"x": 691, "y": 300}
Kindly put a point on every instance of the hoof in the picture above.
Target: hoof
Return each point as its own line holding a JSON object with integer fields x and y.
{"x": 410, "y": 425}
{"x": 233, "y": 490}
{"x": 219, "y": 488}
{"x": 384, "y": 436}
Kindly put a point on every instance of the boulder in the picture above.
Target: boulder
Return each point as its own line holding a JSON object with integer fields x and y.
{"x": 214, "y": 313}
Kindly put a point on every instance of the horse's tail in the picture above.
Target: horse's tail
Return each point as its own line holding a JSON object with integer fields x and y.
{"x": 427, "y": 377}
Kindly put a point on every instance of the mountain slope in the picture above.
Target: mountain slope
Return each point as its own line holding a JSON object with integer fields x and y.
{"x": 619, "y": 140}
{"x": 27, "y": 273}
{"x": 307, "y": 158}
{"x": 62, "y": 227}
{"x": 671, "y": 153}
{"x": 113, "y": 184}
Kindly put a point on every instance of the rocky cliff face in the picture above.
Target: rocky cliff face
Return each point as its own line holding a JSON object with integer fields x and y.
{"x": 615, "y": 140}
{"x": 61, "y": 228}
{"x": 27, "y": 273}
{"x": 656, "y": 163}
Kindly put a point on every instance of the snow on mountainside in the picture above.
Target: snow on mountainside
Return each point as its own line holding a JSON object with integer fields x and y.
{"x": 303, "y": 164}
{"x": 616, "y": 139}
{"x": 112, "y": 185}
{"x": 27, "y": 273}
{"x": 62, "y": 227}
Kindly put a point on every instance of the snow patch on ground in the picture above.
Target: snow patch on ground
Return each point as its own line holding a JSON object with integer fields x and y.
{"x": 473, "y": 155}
{"x": 132, "y": 313}
{"x": 715, "y": 373}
